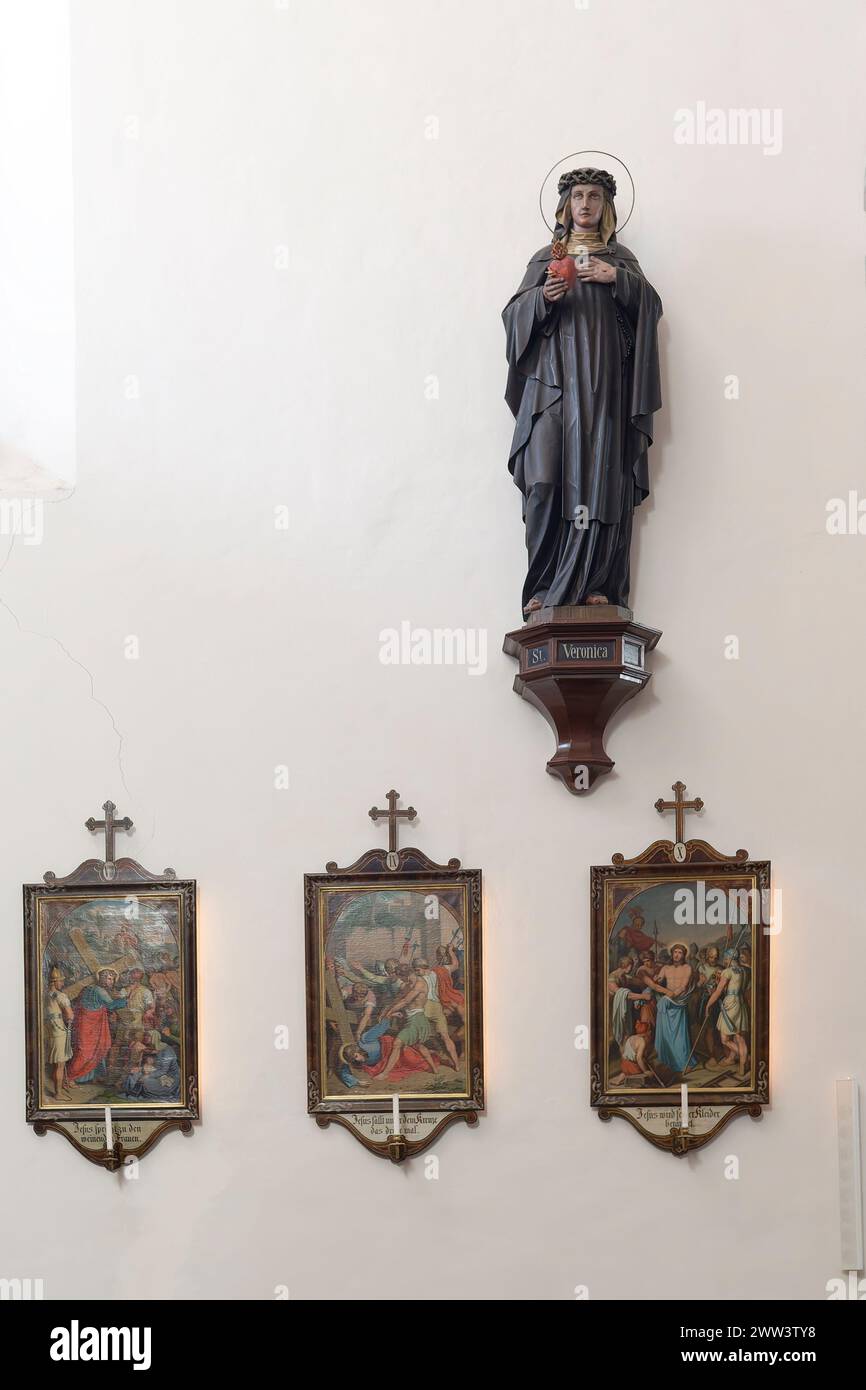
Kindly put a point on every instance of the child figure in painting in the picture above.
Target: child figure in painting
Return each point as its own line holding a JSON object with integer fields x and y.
{"x": 634, "y": 1068}
{"x": 58, "y": 1038}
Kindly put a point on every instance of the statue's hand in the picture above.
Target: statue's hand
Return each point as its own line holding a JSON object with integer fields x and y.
{"x": 598, "y": 271}
{"x": 554, "y": 288}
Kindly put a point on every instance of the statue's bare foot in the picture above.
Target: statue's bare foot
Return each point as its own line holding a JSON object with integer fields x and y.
{"x": 533, "y": 606}
{"x": 596, "y": 598}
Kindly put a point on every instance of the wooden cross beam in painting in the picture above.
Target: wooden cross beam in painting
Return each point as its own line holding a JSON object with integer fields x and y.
{"x": 94, "y": 965}
{"x": 336, "y": 1009}
{"x": 679, "y": 806}
{"x": 394, "y": 816}
{"x": 109, "y": 825}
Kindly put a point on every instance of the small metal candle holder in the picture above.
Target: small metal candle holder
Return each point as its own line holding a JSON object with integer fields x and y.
{"x": 398, "y": 1149}
{"x": 680, "y": 1139}
{"x": 112, "y": 1158}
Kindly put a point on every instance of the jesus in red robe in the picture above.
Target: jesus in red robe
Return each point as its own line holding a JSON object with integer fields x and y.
{"x": 91, "y": 1034}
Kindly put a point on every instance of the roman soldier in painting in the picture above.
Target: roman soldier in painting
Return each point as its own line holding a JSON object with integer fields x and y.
{"x": 59, "y": 1014}
{"x": 733, "y": 1017}
{"x": 165, "y": 980}
{"x": 633, "y": 935}
{"x": 417, "y": 1030}
{"x": 434, "y": 1007}
{"x": 583, "y": 385}
{"x": 447, "y": 967}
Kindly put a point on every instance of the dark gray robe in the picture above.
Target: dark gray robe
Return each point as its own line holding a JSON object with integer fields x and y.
{"x": 583, "y": 383}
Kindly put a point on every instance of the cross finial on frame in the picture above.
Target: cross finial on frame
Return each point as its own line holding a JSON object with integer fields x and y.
{"x": 679, "y": 806}
{"x": 109, "y": 825}
{"x": 394, "y": 816}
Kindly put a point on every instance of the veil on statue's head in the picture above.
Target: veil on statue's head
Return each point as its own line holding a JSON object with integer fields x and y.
{"x": 566, "y": 183}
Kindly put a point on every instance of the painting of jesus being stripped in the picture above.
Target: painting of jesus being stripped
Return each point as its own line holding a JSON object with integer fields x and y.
{"x": 680, "y": 993}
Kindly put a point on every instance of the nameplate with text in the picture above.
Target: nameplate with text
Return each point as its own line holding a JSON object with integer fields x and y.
{"x": 537, "y": 656}
{"x": 415, "y": 1125}
{"x": 585, "y": 651}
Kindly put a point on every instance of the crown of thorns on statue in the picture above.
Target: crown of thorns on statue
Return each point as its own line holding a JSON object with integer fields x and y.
{"x": 599, "y": 176}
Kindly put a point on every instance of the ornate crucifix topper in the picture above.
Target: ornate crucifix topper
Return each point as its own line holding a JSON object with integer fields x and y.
{"x": 679, "y": 806}
{"x": 109, "y": 869}
{"x": 109, "y": 825}
{"x": 394, "y": 816}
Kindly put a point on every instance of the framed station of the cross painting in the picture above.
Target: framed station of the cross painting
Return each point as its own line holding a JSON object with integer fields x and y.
{"x": 111, "y": 1004}
{"x": 394, "y": 996}
{"x": 680, "y": 987}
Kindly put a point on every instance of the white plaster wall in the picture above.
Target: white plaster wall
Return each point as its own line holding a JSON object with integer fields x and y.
{"x": 213, "y": 387}
{"x": 37, "y": 281}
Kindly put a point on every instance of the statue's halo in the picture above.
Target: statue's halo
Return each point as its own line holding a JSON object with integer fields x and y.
{"x": 563, "y": 165}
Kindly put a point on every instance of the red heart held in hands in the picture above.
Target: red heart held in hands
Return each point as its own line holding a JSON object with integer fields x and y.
{"x": 565, "y": 268}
